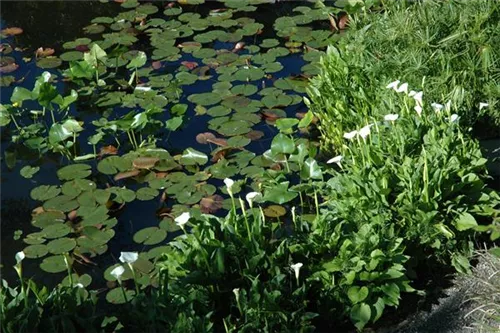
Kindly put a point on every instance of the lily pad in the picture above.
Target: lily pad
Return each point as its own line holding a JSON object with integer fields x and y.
{"x": 54, "y": 264}
{"x": 116, "y": 296}
{"x": 61, "y": 245}
{"x": 35, "y": 251}
{"x": 205, "y": 99}
{"x": 71, "y": 56}
{"x": 46, "y": 219}
{"x": 150, "y": 236}
{"x": 55, "y": 231}
{"x": 191, "y": 156}
{"x": 49, "y": 62}
{"x": 45, "y": 192}
{"x": 274, "y": 211}
{"x": 74, "y": 171}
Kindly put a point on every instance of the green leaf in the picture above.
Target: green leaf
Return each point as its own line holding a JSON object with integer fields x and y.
{"x": 286, "y": 125}
{"x": 138, "y": 61}
{"x": 465, "y": 221}
{"x": 357, "y": 294}
{"x": 282, "y": 144}
{"x": 279, "y": 194}
{"x": 306, "y": 121}
{"x": 20, "y": 94}
{"x": 74, "y": 171}
{"x": 174, "y": 123}
{"x": 311, "y": 170}
{"x": 29, "y": 171}
{"x": 191, "y": 156}
{"x": 360, "y": 315}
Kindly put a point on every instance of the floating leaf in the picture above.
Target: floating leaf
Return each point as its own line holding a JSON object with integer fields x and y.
{"x": 204, "y": 137}
{"x": 61, "y": 245}
{"x": 54, "y": 264}
{"x": 274, "y": 211}
{"x": 145, "y": 162}
{"x": 150, "y": 236}
{"x": 49, "y": 62}
{"x": 12, "y": 31}
{"x": 282, "y": 144}
{"x": 46, "y": 219}
{"x": 146, "y": 193}
{"x": 74, "y": 171}
{"x": 191, "y": 156}
{"x": 205, "y": 99}
{"x": 211, "y": 204}
{"x": 116, "y": 296}
{"x": 35, "y": 251}
{"x": 29, "y": 171}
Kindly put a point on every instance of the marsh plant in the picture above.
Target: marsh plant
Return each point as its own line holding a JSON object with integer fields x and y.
{"x": 431, "y": 44}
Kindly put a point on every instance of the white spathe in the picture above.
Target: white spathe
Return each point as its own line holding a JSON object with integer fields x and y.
{"x": 20, "y": 256}
{"x": 391, "y": 117}
{"x": 365, "y": 131}
{"x": 350, "y": 135}
{"x": 296, "y": 268}
{"x": 129, "y": 257}
{"x": 229, "y": 184}
{"x": 335, "y": 159}
{"x": 253, "y": 196}
{"x": 117, "y": 272}
{"x": 182, "y": 219}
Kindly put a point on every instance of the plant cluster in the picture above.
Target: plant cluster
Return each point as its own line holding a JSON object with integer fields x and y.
{"x": 432, "y": 44}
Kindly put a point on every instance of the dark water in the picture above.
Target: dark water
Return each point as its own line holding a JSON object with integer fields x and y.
{"x": 50, "y": 24}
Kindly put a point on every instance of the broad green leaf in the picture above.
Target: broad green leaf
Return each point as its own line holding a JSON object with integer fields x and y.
{"x": 311, "y": 170}
{"x": 191, "y": 156}
{"x": 357, "y": 294}
{"x": 465, "y": 221}
{"x": 282, "y": 144}
{"x": 360, "y": 315}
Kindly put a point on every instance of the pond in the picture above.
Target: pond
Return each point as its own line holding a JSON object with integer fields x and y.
{"x": 204, "y": 83}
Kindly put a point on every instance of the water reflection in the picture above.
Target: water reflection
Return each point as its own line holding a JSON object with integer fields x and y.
{"x": 51, "y": 23}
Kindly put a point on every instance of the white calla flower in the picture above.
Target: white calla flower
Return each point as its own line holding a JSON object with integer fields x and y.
{"x": 483, "y": 105}
{"x": 391, "y": 117}
{"x": 393, "y": 85}
{"x": 46, "y": 76}
{"x": 229, "y": 184}
{"x": 117, "y": 272}
{"x": 296, "y": 268}
{"x": 447, "y": 106}
{"x": 418, "y": 109}
{"x": 20, "y": 256}
{"x": 182, "y": 219}
{"x": 350, "y": 135}
{"x": 365, "y": 131}
{"x": 453, "y": 117}
{"x": 418, "y": 97}
{"x": 402, "y": 88}
{"x": 129, "y": 257}
{"x": 143, "y": 88}
{"x": 437, "y": 107}
{"x": 335, "y": 159}
{"x": 253, "y": 196}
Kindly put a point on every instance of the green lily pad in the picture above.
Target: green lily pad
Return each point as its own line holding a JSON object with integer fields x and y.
{"x": 269, "y": 43}
{"x": 244, "y": 89}
{"x": 49, "y": 62}
{"x": 71, "y": 56}
{"x": 238, "y": 141}
{"x": 45, "y": 192}
{"x": 150, "y": 236}
{"x": 74, "y": 171}
{"x": 218, "y": 111}
{"x": 54, "y": 264}
{"x": 146, "y": 193}
{"x": 116, "y": 296}
{"x": 236, "y": 102}
{"x": 234, "y": 127}
{"x": 61, "y": 245}
{"x": 114, "y": 164}
{"x": 46, "y": 219}
{"x": 62, "y": 203}
{"x": 35, "y": 251}
{"x": 96, "y": 236}
{"x": 55, "y": 231}
{"x": 84, "y": 279}
{"x": 29, "y": 171}
{"x": 205, "y": 99}
{"x": 191, "y": 156}
{"x": 34, "y": 238}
